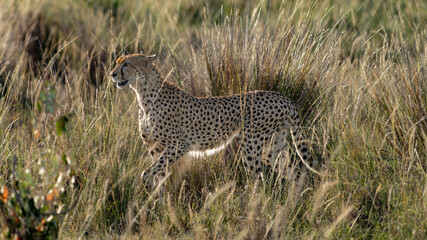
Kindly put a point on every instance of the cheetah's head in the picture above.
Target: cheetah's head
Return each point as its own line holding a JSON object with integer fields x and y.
{"x": 130, "y": 68}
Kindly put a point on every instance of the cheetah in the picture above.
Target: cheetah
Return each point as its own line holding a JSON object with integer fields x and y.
{"x": 173, "y": 123}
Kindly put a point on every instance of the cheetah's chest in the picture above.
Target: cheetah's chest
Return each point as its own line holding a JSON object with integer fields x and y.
{"x": 145, "y": 124}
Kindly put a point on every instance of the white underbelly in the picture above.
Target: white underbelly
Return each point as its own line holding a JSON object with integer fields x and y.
{"x": 195, "y": 152}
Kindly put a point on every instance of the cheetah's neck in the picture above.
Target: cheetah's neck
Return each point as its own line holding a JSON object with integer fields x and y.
{"x": 147, "y": 90}
{"x": 150, "y": 88}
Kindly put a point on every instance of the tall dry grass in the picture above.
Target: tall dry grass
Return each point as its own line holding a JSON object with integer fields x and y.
{"x": 356, "y": 70}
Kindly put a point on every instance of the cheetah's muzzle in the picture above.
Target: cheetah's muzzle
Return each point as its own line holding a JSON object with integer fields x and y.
{"x": 122, "y": 84}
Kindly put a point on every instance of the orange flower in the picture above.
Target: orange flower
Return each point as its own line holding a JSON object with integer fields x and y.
{"x": 36, "y": 134}
{"x": 40, "y": 227}
{"x": 15, "y": 216}
{"x": 3, "y": 194}
{"x": 52, "y": 195}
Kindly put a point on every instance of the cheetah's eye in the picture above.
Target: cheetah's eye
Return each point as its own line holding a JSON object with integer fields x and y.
{"x": 126, "y": 65}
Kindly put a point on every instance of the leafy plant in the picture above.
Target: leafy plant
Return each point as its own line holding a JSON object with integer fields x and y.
{"x": 27, "y": 215}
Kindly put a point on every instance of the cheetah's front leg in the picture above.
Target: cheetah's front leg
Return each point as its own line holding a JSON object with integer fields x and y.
{"x": 156, "y": 150}
{"x": 157, "y": 170}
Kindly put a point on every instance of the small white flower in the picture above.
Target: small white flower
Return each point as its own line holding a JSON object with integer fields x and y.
{"x": 59, "y": 209}
{"x": 59, "y": 180}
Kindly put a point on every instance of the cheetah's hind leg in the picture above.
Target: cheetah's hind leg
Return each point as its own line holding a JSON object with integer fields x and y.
{"x": 276, "y": 154}
{"x": 252, "y": 145}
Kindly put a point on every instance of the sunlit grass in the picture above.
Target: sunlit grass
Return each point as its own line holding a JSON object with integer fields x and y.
{"x": 356, "y": 70}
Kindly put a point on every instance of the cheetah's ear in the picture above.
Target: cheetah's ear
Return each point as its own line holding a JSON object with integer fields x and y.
{"x": 151, "y": 57}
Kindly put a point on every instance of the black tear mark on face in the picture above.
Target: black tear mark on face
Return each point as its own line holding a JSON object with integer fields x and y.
{"x": 121, "y": 70}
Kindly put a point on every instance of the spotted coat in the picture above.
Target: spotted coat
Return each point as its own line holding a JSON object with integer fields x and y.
{"x": 173, "y": 123}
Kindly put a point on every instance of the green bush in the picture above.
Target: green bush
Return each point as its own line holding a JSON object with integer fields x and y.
{"x": 25, "y": 212}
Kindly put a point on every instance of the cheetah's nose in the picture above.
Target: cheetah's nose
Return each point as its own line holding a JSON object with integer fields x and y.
{"x": 113, "y": 74}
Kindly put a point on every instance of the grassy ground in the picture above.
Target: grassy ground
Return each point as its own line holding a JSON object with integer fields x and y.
{"x": 356, "y": 69}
